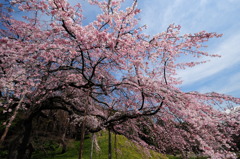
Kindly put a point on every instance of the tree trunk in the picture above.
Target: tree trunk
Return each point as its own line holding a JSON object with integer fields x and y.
{"x": 91, "y": 154}
{"x": 115, "y": 146}
{"x": 20, "y": 147}
{"x": 185, "y": 155}
{"x": 25, "y": 141}
{"x": 109, "y": 144}
{"x": 82, "y": 140}
{"x": 64, "y": 145}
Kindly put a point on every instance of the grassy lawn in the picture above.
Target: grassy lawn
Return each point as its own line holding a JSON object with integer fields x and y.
{"x": 125, "y": 150}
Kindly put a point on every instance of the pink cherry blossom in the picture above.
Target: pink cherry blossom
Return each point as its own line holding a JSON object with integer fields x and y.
{"x": 114, "y": 74}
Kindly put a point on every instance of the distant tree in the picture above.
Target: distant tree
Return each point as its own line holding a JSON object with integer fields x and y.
{"x": 108, "y": 73}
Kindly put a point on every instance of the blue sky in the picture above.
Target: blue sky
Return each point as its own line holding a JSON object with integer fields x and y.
{"x": 222, "y": 16}
{"x": 220, "y": 75}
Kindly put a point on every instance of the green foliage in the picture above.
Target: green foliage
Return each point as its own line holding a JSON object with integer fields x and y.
{"x": 3, "y": 153}
{"x": 55, "y": 151}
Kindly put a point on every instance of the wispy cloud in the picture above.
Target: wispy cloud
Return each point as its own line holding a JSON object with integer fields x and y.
{"x": 221, "y": 74}
{"x": 192, "y": 15}
{"x": 227, "y": 85}
{"x": 229, "y": 49}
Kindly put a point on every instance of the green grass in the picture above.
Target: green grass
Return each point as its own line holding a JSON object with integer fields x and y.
{"x": 125, "y": 149}
{"x": 176, "y": 157}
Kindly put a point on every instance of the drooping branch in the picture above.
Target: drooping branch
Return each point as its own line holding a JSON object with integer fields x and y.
{"x": 120, "y": 117}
